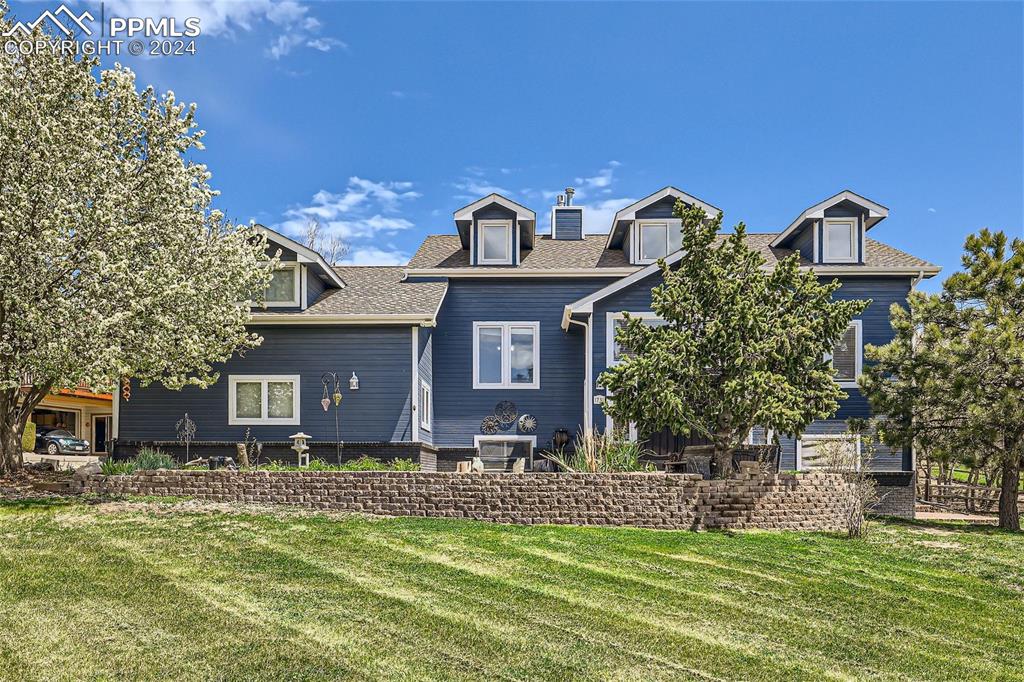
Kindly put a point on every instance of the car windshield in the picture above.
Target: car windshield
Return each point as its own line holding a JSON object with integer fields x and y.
{"x": 60, "y": 433}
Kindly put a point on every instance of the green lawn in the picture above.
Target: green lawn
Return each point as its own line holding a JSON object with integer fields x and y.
{"x": 92, "y": 593}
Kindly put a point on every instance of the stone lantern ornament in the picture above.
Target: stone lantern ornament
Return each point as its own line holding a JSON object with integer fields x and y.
{"x": 300, "y": 447}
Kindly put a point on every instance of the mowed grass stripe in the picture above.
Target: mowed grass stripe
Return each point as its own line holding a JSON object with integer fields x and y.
{"x": 138, "y": 595}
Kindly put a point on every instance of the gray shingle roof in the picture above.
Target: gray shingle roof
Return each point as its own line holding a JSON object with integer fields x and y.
{"x": 445, "y": 251}
{"x": 376, "y": 290}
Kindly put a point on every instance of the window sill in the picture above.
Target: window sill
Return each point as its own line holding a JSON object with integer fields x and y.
{"x": 504, "y": 387}
{"x": 262, "y": 422}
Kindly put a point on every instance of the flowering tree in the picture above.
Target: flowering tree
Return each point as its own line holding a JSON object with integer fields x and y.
{"x": 112, "y": 262}
{"x": 741, "y": 346}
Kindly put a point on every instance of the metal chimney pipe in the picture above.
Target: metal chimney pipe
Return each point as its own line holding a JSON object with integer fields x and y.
{"x": 569, "y": 191}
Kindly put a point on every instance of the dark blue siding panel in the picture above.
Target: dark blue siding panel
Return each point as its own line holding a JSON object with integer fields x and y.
{"x": 458, "y": 408}
{"x": 378, "y": 411}
{"x": 494, "y": 212}
{"x": 569, "y": 223}
{"x": 804, "y": 242}
{"x": 426, "y": 370}
{"x": 315, "y": 286}
{"x": 659, "y": 209}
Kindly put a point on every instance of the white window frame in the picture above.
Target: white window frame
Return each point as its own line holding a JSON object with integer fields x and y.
{"x": 609, "y": 358}
{"x": 263, "y": 379}
{"x": 858, "y": 354}
{"x": 482, "y": 227}
{"x": 426, "y": 405}
{"x": 532, "y": 440}
{"x": 854, "y": 224}
{"x": 636, "y": 241}
{"x": 506, "y": 355}
{"x": 826, "y": 436}
{"x": 295, "y": 302}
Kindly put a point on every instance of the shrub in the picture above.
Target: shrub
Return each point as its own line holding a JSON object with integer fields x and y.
{"x": 363, "y": 463}
{"x": 28, "y": 438}
{"x": 149, "y": 458}
{"x": 597, "y": 453}
{"x": 109, "y": 467}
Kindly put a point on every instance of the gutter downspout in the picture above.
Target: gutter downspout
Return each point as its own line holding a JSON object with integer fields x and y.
{"x": 588, "y": 412}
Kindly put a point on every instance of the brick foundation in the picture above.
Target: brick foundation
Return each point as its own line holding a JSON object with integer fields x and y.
{"x": 811, "y": 501}
{"x": 897, "y": 494}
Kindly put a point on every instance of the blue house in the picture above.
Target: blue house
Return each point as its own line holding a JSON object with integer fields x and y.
{"x": 493, "y": 337}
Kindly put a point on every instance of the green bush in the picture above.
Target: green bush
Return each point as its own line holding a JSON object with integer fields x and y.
{"x": 363, "y": 463}
{"x": 149, "y": 459}
{"x": 109, "y": 467}
{"x": 28, "y": 438}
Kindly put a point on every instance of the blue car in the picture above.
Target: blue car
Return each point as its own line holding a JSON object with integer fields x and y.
{"x": 60, "y": 442}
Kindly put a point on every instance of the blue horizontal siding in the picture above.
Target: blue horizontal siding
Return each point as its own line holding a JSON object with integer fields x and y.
{"x": 378, "y": 411}
{"x": 568, "y": 223}
{"x": 558, "y": 403}
{"x": 425, "y": 363}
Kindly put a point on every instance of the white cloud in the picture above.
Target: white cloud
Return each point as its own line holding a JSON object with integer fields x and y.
{"x": 471, "y": 189}
{"x": 364, "y": 210}
{"x": 371, "y": 255}
{"x": 597, "y": 218}
{"x": 932, "y": 210}
{"x": 227, "y": 17}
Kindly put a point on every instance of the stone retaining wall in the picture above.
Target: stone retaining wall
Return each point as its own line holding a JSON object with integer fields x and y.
{"x": 672, "y": 501}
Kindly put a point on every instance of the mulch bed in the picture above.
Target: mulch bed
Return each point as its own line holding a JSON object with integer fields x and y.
{"x": 19, "y": 486}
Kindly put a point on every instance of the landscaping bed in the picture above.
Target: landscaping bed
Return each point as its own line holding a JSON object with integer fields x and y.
{"x": 153, "y": 590}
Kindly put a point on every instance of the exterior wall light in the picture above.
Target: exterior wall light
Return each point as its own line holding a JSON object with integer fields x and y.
{"x": 353, "y": 382}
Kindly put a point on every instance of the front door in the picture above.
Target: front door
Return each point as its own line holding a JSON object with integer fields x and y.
{"x": 101, "y": 432}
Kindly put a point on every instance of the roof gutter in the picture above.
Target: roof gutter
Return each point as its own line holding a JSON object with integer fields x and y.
{"x": 519, "y": 272}
{"x": 299, "y": 319}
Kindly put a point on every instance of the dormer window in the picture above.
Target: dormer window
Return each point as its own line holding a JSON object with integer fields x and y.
{"x": 840, "y": 240}
{"x": 284, "y": 287}
{"x": 495, "y": 242}
{"x": 654, "y": 239}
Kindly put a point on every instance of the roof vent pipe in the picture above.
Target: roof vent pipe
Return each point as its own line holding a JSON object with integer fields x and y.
{"x": 569, "y": 191}
{"x": 561, "y": 200}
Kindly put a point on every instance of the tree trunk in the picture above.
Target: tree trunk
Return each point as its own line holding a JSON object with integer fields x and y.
{"x": 1009, "y": 514}
{"x": 10, "y": 443}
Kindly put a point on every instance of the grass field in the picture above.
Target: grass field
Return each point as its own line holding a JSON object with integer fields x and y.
{"x": 154, "y": 591}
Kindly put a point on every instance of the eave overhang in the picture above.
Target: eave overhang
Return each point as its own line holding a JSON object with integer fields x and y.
{"x": 874, "y": 213}
{"x": 525, "y": 218}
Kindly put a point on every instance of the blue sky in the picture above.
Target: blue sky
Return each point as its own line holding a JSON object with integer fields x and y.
{"x": 384, "y": 118}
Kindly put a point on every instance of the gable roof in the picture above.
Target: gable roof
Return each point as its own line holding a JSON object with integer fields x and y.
{"x": 876, "y": 212}
{"x": 629, "y": 212}
{"x": 879, "y": 259}
{"x": 304, "y": 253}
{"x": 523, "y": 216}
{"x": 443, "y": 255}
{"x": 376, "y": 294}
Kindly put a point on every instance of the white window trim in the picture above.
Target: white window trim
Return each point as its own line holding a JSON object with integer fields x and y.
{"x": 425, "y": 414}
{"x": 532, "y": 440}
{"x": 506, "y": 343}
{"x": 506, "y": 225}
{"x": 263, "y": 379}
{"x": 635, "y": 240}
{"x": 825, "y": 436}
{"x": 854, "y": 222}
{"x": 858, "y": 354}
{"x": 299, "y": 289}
{"x": 609, "y": 358}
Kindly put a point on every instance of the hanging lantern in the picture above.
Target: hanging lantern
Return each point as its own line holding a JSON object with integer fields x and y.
{"x": 337, "y": 397}
{"x": 325, "y": 402}
{"x": 353, "y": 383}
